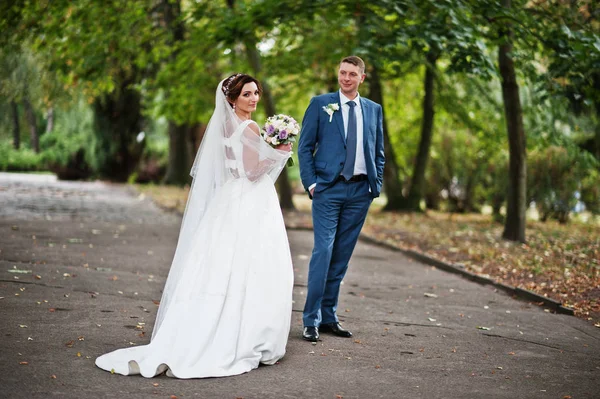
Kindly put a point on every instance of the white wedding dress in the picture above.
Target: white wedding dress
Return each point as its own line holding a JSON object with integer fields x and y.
{"x": 227, "y": 303}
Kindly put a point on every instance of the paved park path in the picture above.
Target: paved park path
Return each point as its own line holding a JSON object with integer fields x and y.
{"x": 82, "y": 264}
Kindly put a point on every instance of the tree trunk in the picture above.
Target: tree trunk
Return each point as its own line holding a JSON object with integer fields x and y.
{"x": 180, "y": 144}
{"x": 417, "y": 186}
{"x": 33, "y": 129}
{"x": 117, "y": 122}
{"x": 16, "y": 128}
{"x": 596, "y": 80}
{"x": 283, "y": 182}
{"x": 391, "y": 181}
{"x": 514, "y": 227}
{"x": 50, "y": 120}
{"x": 180, "y": 155}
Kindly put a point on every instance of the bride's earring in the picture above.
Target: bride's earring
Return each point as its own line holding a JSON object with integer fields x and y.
{"x": 234, "y": 107}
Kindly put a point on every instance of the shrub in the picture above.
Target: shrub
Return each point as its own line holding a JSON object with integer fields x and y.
{"x": 22, "y": 160}
{"x": 555, "y": 177}
{"x": 65, "y": 149}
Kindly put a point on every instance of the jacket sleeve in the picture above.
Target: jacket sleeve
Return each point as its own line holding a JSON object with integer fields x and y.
{"x": 379, "y": 150}
{"x": 308, "y": 143}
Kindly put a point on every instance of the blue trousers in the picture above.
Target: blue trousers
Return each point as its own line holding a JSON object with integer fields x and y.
{"x": 338, "y": 213}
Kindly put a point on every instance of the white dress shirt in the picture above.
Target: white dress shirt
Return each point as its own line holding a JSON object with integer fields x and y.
{"x": 360, "y": 167}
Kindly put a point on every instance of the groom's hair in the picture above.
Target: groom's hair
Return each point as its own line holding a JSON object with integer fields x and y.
{"x": 354, "y": 60}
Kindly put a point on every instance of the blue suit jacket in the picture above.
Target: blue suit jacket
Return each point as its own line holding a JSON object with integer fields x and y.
{"x": 322, "y": 145}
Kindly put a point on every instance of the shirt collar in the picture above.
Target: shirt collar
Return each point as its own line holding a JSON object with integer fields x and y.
{"x": 344, "y": 99}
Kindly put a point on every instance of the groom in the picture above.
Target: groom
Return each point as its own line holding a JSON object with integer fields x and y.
{"x": 341, "y": 166}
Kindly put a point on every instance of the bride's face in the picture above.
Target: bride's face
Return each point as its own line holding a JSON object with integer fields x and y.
{"x": 248, "y": 98}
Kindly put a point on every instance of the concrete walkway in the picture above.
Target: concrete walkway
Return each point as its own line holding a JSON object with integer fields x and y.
{"x": 81, "y": 265}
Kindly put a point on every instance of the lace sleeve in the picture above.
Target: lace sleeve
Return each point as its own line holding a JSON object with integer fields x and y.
{"x": 258, "y": 157}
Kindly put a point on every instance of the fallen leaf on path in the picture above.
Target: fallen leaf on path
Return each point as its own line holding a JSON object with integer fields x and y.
{"x": 430, "y": 295}
{"x": 53, "y": 376}
{"x": 483, "y": 328}
{"x": 155, "y": 384}
{"x": 23, "y": 363}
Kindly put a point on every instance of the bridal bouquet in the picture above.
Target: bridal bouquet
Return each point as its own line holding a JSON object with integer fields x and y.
{"x": 280, "y": 129}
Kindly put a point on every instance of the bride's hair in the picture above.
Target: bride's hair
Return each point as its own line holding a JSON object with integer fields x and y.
{"x": 233, "y": 85}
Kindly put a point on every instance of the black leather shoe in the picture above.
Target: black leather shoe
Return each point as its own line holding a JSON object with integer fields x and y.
{"x": 335, "y": 329}
{"x": 311, "y": 334}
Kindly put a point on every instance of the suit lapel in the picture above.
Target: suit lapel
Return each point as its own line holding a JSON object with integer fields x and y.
{"x": 337, "y": 115}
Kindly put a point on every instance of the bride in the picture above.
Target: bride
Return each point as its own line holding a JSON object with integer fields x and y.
{"x": 227, "y": 302}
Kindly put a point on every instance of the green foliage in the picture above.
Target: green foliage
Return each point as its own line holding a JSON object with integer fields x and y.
{"x": 590, "y": 191}
{"x": 555, "y": 175}
{"x": 72, "y": 135}
{"x": 133, "y": 59}
{"x": 22, "y": 160}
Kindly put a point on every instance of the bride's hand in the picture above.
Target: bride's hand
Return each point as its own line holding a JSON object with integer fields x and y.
{"x": 284, "y": 147}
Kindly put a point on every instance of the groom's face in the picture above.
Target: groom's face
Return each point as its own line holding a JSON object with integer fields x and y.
{"x": 350, "y": 77}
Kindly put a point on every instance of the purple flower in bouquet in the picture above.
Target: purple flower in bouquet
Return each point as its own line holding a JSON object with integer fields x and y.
{"x": 280, "y": 129}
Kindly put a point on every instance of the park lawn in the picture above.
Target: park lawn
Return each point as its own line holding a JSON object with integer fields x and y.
{"x": 561, "y": 262}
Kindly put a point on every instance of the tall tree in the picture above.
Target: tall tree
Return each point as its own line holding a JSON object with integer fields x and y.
{"x": 14, "y": 108}
{"x": 417, "y": 184}
{"x": 248, "y": 38}
{"x": 180, "y": 143}
{"x": 399, "y": 32}
{"x": 391, "y": 178}
{"x": 514, "y": 227}
{"x": 32, "y": 123}
{"x": 95, "y": 46}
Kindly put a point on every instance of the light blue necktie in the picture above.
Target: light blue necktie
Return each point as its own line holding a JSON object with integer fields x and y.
{"x": 348, "y": 170}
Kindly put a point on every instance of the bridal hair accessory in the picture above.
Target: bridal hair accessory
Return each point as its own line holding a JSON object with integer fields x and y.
{"x": 330, "y": 109}
{"x": 280, "y": 129}
{"x": 228, "y": 82}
